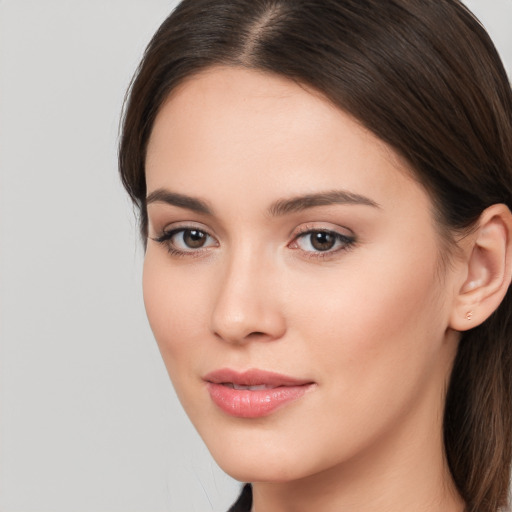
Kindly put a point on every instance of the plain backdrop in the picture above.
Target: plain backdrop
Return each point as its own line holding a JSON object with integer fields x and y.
{"x": 88, "y": 419}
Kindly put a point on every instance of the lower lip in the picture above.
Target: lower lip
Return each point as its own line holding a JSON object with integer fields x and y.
{"x": 243, "y": 403}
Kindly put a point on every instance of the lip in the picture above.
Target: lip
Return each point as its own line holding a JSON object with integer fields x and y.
{"x": 274, "y": 391}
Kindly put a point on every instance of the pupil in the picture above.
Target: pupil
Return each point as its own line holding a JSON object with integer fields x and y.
{"x": 194, "y": 238}
{"x": 322, "y": 241}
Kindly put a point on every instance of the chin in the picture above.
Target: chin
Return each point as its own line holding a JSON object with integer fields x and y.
{"x": 259, "y": 471}
{"x": 261, "y": 460}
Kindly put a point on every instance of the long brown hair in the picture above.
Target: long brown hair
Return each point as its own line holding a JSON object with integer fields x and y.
{"x": 424, "y": 76}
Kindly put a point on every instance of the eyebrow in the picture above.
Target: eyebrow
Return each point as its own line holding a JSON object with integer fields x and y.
{"x": 277, "y": 209}
{"x": 297, "y": 204}
{"x": 182, "y": 201}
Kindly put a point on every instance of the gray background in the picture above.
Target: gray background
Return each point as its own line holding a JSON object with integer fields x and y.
{"x": 88, "y": 419}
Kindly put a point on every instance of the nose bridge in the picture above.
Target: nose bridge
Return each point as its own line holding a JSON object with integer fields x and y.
{"x": 246, "y": 304}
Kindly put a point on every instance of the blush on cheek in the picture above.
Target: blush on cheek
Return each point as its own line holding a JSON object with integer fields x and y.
{"x": 173, "y": 309}
{"x": 381, "y": 316}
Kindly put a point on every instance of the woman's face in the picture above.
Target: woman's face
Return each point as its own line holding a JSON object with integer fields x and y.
{"x": 293, "y": 280}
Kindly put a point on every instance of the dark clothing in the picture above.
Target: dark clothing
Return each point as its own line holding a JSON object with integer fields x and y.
{"x": 244, "y": 501}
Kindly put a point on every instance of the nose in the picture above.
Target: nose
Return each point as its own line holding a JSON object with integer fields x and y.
{"x": 247, "y": 303}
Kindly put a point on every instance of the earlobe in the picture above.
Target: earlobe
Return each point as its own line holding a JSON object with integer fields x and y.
{"x": 488, "y": 266}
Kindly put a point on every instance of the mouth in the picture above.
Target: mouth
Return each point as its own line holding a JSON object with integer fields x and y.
{"x": 240, "y": 387}
{"x": 254, "y": 393}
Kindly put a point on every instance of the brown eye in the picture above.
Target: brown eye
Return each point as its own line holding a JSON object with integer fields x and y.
{"x": 322, "y": 241}
{"x": 186, "y": 240}
{"x": 193, "y": 238}
{"x": 319, "y": 241}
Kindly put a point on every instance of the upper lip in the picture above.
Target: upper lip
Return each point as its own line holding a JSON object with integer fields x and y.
{"x": 253, "y": 377}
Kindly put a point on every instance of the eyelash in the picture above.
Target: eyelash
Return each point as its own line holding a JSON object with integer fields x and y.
{"x": 345, "y": 242}
{"x": 166, "y": 237}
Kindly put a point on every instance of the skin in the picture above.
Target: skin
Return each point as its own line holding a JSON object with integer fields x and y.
{"x": 367, "y": 322}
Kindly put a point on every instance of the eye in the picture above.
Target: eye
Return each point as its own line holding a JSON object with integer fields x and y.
{"x": 186, "y": 240}
{"x": 322, "y": 241}
{"x": 190, "y": 239}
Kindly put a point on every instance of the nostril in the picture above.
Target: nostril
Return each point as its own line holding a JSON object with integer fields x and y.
{"x": 238, "y": 320}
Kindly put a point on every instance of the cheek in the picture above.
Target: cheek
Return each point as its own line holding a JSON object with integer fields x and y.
{"x": 174, "y": 309}
{"x": 178, "y": 319}
{"x": 378, "y": 323}
{"x": 375, "y": 342}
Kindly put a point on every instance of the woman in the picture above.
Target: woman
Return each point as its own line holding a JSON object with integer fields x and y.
{"x": 325, "y": 192}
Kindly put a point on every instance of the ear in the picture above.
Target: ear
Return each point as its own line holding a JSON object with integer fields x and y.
{"x": 487, "y": 269}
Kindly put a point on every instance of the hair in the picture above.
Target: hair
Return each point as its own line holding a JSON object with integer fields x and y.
{"x": 424, "y": 76}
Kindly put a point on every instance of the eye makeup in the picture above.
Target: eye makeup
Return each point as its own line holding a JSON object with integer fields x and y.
{"x": 311, "y": 241}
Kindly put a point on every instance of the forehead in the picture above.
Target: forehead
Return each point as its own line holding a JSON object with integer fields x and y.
{"x": 265, "y": 136}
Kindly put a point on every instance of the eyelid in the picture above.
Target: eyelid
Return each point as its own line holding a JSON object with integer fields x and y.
{"x": 171, "y": 230}
{"x": 161, "y": 227}
{"x": 345, "y": 241}
{"x": 168, "y": 234}
{"x": 322, "y": 227}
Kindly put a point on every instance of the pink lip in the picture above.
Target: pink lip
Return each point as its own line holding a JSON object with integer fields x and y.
{"x": 244, "y": 403}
